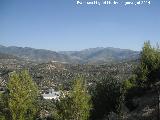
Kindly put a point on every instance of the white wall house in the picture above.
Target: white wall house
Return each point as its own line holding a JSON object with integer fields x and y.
{"x": 52, "y": 95}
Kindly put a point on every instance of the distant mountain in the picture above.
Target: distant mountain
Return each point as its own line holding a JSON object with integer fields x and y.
{"x": 102, "y": 55}
{"x": 88, "y": 56}
{"x": 38, "y": 55}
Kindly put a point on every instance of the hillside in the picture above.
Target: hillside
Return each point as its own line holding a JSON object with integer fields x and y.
{"x": 102, "y": 55}
{"x": 56, "y": 74}
{"x": 87, "y": 56}
{"x": 38, "y": 55}
{"x": 6, "y": 56}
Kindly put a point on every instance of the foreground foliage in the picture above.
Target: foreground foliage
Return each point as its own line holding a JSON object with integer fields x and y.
{"x": 76, "y": 104}
{"x": 20, "y": 97}
{"x": 148, "y": 71}
{"x": 145, "y": 77}
{"x": 107, "y": 97}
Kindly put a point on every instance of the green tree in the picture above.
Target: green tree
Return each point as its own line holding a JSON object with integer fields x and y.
{"x": 4, "y": 111}
{"x": 146, "y": 74}
{"x": 107, "y": 97}
{"x": 76, "y": 104}
{"x": 22, "y": 95}
{"x": 148, "y": 70}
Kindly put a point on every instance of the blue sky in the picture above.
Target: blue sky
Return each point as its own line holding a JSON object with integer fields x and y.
{"x": 63, "y": 25}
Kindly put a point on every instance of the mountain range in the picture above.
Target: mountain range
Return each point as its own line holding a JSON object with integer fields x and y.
{"x": 97, "y": 55}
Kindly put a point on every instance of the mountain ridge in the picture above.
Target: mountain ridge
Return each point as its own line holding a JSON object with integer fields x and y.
{"x": 86, "y": 56}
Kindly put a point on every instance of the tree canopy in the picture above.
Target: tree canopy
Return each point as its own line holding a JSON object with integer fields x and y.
{"x": 76, "y": 105}
{"x": 21, "y": 95}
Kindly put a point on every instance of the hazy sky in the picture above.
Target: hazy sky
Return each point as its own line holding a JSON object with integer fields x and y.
{"x": 63, "y": 25}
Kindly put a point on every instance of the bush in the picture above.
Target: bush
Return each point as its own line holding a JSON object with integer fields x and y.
{"x": 107, "y": 97}
{"x": 148, "y": 70}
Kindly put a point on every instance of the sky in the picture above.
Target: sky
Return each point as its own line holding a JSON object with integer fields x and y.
{"x": 64, "y": 25}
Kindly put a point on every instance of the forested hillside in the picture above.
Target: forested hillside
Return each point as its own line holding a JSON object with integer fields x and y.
{"x": 6, "y": 56}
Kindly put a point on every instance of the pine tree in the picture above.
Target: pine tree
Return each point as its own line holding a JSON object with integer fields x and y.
{"x": 76, "y": 105}
{"x": 148, "y": 70}
{"x": 22, "y": 96}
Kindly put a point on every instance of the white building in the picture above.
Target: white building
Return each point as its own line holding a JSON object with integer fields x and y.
{"x": 52, "y": 95}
